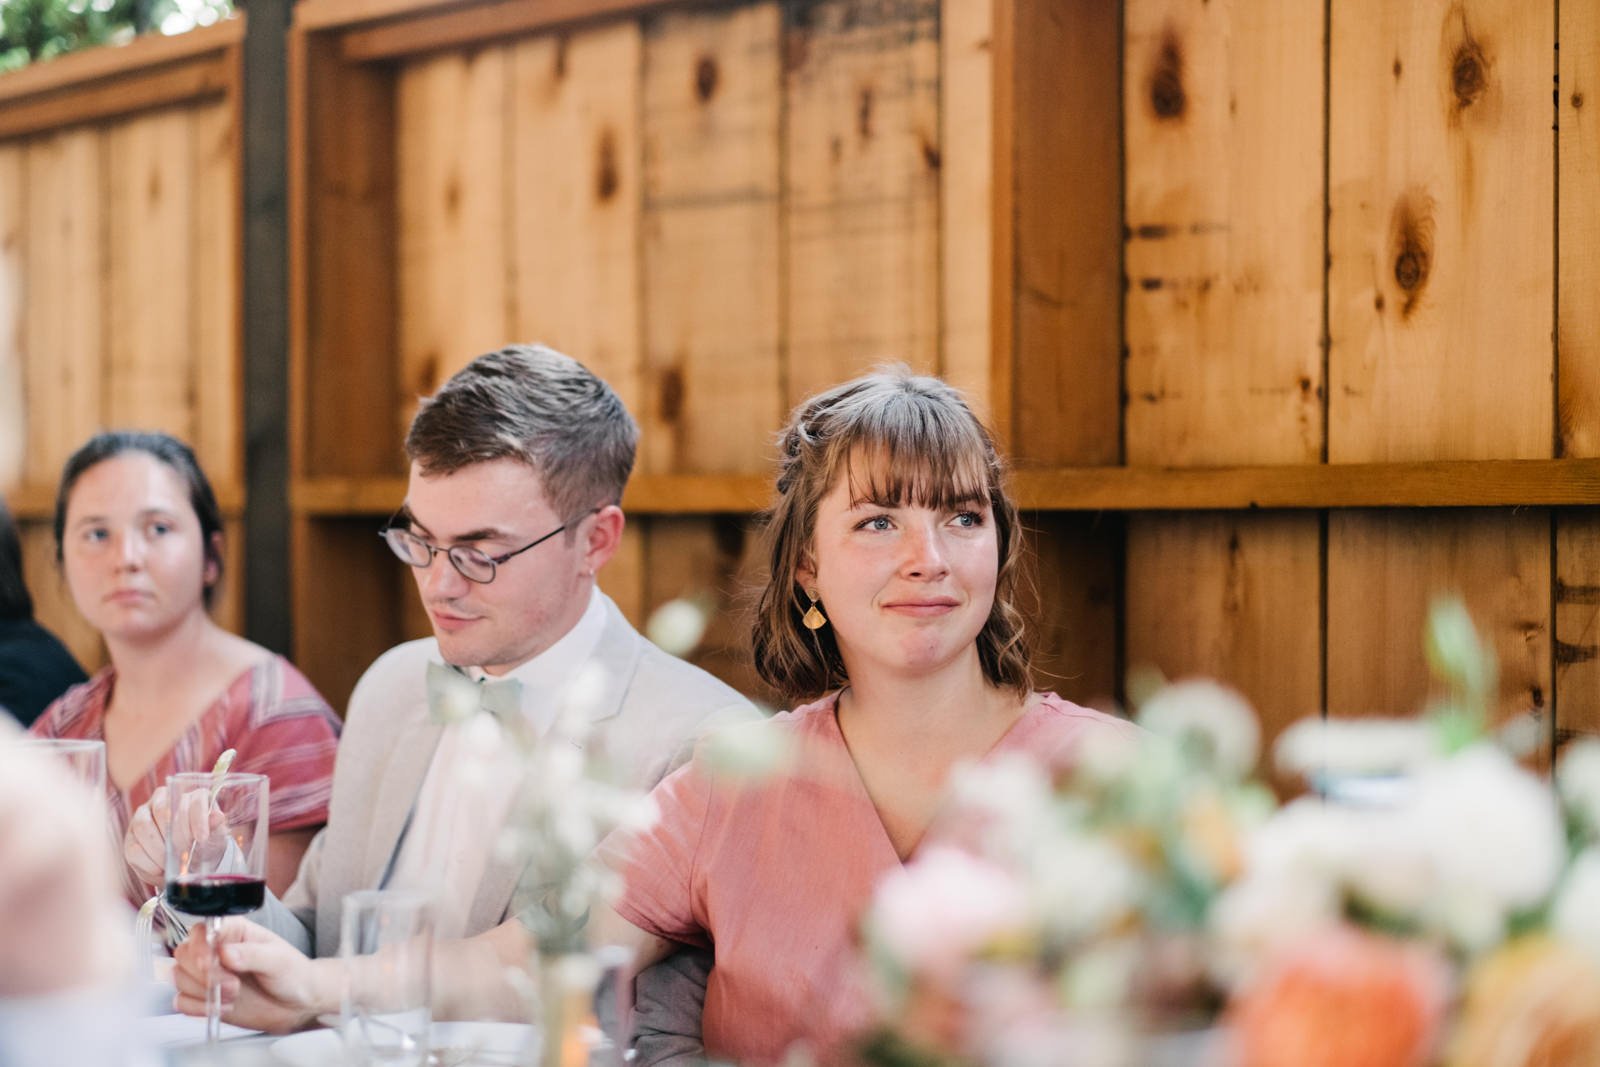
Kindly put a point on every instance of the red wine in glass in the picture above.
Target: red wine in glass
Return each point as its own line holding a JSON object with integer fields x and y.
{"x": 217, "y": 894}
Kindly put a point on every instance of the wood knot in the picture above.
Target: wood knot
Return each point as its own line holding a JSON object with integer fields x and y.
{"x": 670, "y": 394}
{"x": 1411, "y": 235}
{"x": 1397, "y": 68}
{"x": 864, "y": 112}
{"x": 931, "y": 154}
{"x": 606, "y": 177}
{"x": 705, "y": 78}
{"x": 559, "y": 64}
{"x": 1577, "y": 100}
{"x": 1469, "y": 74}
{"x": 1167, "y": 98}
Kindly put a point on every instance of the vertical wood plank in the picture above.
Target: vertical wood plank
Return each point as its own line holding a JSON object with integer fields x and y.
{"x": 862, "y": 155}
{"x": 575, "y": 215}
{"x": 1233, "y": 597}
{"x": 343, "y": 380}
{"x": 1224, "y": 214}
{"x": 1441, "y": 180}
{"x": 348, "y": 607}
{"x": 228, "y": 608}
{"x": 1066, "y": 385}
{"x": 966, "y": 199}
{"x": 452, "y": 189}
{"x": 623, "y": 578}
{"x": 63, "y": 334}
{"x": 1578, "y": 221}
{"x": 1384, "y": 569}
{"x": 712, "y": 390}
{"x": 713, "y": 558}
{"x": 1577, "y": 613}
{"x": 150, "y": 361}
{"x": 1078, "y": 564}
{"x": 52, "y": 601}
{"x": 215, "y": 262}
{"x": 14, "y": 419}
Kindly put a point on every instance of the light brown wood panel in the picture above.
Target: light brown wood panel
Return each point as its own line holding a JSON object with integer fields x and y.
{"x": 862, "y": 156}
{"x": 1233, "y": 597}
{"x": 966, "y": 198}
{"x": 64, "y": 321}
{"x": 575, "y": 216}
{"x": 342, "y": 319}
{"x": 712, "y": 387}
{"x": 1385, "y": 568}
{"x": 13, "y": 233}
{"x": 1076, "y": 563}
{"x": 1223, "y": 175}
{"x": 1578, "y": 222}
{"x": 150, "y": 360}
{"x": 215, "y": 262}
{"x": 623, "y": 577}
{"x": 52, "y": 600}
{"x": 1441, "y": 186}
{"x": 1577, "y": 614}
{"x": 1065, "y": 392}
{"x": 228, "y": 607}
{"x": 714, "y": 559}
{"x": 452, "y": 189}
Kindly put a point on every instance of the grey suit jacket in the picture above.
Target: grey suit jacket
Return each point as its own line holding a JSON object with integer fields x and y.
{"x": 651, "y": 713}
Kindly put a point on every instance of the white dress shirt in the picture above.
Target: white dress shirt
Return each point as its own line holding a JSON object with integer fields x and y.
{"x": 473, "y": 780}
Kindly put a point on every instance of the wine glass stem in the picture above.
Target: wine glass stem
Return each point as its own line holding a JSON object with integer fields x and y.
{"x": 213, "y": 984}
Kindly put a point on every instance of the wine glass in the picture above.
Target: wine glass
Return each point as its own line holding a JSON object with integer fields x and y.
{"x": 216, "y": 859}
{"x": 87, "y": 759}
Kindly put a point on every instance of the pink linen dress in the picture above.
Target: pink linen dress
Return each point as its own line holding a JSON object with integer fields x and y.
{"x": 270, "y": 713}
{"x": 775, "y": 877}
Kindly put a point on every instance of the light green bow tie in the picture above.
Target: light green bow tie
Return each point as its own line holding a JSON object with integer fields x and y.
{"x": 455, "y": 697}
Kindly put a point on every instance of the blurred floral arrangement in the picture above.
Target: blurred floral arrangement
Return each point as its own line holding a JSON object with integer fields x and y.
{"x": 32, "y": 30}
{"x": 1433, "y": 904}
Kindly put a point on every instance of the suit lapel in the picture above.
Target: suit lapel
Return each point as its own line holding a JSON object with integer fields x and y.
{"x": 617, "y": 655}
{"x": 399, "y": 786}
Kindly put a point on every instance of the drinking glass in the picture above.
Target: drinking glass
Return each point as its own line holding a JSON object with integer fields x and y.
{"x": 386, "y": 942}
{"x": 86, "y": 759}
{"x": 216, "y": 859}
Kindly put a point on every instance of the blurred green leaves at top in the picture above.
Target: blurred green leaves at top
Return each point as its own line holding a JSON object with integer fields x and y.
{"x": 31, "y": 30}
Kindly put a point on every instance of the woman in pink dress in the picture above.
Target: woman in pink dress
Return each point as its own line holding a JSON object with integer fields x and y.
{"x": 139, "y": 540}
{"x": 894, "y": 558}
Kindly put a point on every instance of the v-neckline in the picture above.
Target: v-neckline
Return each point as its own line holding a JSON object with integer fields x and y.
{"x": 859, "y": 783}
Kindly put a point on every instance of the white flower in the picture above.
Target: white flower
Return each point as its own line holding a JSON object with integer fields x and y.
{"x": 1576, "y": 916}
{"x": 458, "y": 697}
{"x": 1106, "y": 756}
{"x": 747, "y": 752}
{"x": 1340, "y": 748}
{"x": 1000, "y": 804}
{"x": 1578, "y": 780}
{"x": 939, "y": 910}
{"x": 677, "y": 626}
{"x": 1081, "y": 885}
{"x": 1220, "y": 717}
{"x": 1258, "y": 916}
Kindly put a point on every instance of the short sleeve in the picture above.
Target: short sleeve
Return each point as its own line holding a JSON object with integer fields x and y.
{"x": 291, "y": 736}
{"x": 659, "y": 865}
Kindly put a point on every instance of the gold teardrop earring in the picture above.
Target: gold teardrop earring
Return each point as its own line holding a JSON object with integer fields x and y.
{"x": 814, "y": 618}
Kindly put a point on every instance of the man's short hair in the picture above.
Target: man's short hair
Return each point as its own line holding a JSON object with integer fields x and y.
{"x": 530, "y": 403}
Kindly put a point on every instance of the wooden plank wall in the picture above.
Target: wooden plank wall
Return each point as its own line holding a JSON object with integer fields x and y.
{"x": 120, "y": 263}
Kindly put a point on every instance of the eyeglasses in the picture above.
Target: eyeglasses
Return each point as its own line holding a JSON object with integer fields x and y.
{"x": 473, "y": 564}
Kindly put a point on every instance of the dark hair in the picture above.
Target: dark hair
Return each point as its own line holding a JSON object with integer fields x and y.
{"x": 531, "y": 403}
{"x": 159, "y": 446}
{"x": 895, "y": 436}
{"x": 16, "y": 603}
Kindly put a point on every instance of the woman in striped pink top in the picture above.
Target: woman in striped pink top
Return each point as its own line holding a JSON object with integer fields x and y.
{"x": 894, "y": 557}
{"x": 139, "y": 540}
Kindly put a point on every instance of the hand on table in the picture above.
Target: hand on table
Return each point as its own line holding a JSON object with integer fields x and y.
{"x": 267, "y": 983}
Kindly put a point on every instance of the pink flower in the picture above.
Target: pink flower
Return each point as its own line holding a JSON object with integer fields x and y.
{"x": 943, "y": 910}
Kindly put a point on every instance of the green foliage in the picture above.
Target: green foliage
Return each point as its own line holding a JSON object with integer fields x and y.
{"x": 32, "y": 30}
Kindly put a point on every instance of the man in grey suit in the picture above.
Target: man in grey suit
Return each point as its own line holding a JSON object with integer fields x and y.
{"x": 517, "y": 471}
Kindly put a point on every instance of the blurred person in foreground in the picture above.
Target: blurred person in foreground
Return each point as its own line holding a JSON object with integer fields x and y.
{"x": 894, "y": 557}
{"x": 35, "y": 667}
{"x": 518, "y": 465}
{"x": 139, "y": 538}
{"x": 66, "y": 950}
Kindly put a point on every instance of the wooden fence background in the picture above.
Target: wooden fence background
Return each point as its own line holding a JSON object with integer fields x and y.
{"x": 1239, "y": 281}
{"x": 119, "y": 279}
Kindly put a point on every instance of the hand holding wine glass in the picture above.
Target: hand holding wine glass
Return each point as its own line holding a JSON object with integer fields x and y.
{"x": 216, "y": 858}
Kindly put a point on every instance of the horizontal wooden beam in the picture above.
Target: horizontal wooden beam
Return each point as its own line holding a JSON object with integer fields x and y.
{"x": 102, "y": 83}
{"x": 1452, "y": 484}
{"x": 34, "y": 503}
{"x": 1442, "y": 484}
{"x": 391, "y": 29}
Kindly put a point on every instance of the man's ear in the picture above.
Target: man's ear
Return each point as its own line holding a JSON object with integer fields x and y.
{"x": 602, "y": 537}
